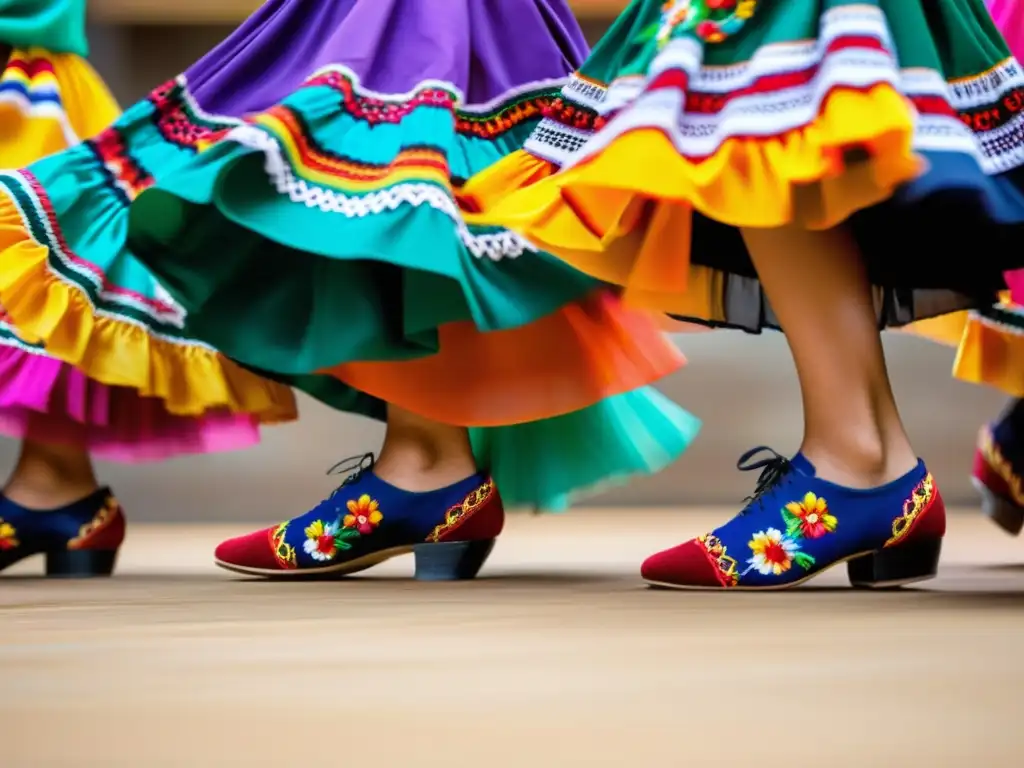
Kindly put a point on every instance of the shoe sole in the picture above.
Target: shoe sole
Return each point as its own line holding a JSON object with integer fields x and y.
{"x": 339, "y": 569}
{"x": 882, "y": 585}
{"x": 1002, "y": 512}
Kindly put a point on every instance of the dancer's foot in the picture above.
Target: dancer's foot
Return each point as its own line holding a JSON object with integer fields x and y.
{"x": 797, "y": 525}
{"x": 998, "y": 473}
{"x": 367, "y": 520}
{"x": 79, "y": 539}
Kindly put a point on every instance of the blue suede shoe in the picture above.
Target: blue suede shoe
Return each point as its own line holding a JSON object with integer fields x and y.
{"x": 78, "y": 540}
{"x": 797, "y": 525}
{"x": 367, "y": 521}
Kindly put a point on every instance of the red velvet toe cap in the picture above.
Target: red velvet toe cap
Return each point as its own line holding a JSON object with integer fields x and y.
{"x": 688, "y": 565}
{"x": 255, "y": 550}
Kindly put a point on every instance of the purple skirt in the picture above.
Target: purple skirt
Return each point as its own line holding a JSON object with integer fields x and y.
{"x": 485, "y": 48}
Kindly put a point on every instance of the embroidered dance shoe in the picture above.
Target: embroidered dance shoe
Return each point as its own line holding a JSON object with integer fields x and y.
{"x": 998, "y": 466}
{"x": 366, "y": 521}
{"x": 797, "y": 525}
{"x": 78, "y": 540}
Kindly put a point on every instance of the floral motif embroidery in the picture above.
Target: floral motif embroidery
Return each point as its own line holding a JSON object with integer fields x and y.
{"x": 725, "y": 566}
{"x": 320, "y": 543}
{"x": 920, "y": 499}
{"x": 324, "y": 540}
{"x": 775, "y": 553}
{"x": 711, "y": 20}
{"x": 363, "y": 514}
{"x": 8, "y": 534}
{"x": 284, "y": 552}
{"x": 809, "y": 518}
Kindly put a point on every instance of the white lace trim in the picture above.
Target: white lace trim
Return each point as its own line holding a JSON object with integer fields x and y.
{"x": 198, "y": 111}
{"x": 494, "y": 246}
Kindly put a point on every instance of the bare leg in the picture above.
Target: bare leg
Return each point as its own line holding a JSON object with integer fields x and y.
{"x": 819, "y": 290}
{"x": 48, "y": 476}
{"x": 423, "y": 455}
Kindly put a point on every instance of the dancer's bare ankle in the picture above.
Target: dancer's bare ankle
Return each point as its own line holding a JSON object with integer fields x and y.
{"x": 30, "y": 492}
{"x": 49, "y": 476}
{"x": 422, "y": 467}
{"x": 423, "y": 455}
{"x": 859, "y": 463}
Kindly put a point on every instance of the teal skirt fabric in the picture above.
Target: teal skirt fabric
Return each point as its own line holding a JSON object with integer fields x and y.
{"x": 324, "y": 217}
{"x": 56, "y": 25}
{"x": 326, "y": 230}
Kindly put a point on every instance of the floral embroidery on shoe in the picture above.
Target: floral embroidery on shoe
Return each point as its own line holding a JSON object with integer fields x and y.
{"x": 324, "y": 540}
{"x": 363, "y": 515}
{"x": 320, "y": 543}
{"x": 775, "y": 553}
{"x": 8, "y": 535}
{"x": 809, "y": 518}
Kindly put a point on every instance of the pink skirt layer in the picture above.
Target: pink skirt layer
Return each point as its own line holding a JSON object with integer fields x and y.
{"x": 44, "y": 399}
{"x": 1009, "y": 17}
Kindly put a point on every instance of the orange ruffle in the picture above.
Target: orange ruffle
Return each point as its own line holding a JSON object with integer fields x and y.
{"x": 946, "y": 329}
{"x": 624, "y": 216}
{"x": 564, "y": 362}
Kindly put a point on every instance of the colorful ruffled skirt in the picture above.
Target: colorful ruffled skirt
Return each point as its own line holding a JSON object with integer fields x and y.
{"x": 901, "y": 119}
{"x": 47, "y": 103}
{"x": 296, "y": 192}
{"x": 990, "y": 340}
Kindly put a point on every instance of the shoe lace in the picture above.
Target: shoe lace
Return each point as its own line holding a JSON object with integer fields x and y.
{"x": 774, "y": 468}
{"x": 355, "y": 466}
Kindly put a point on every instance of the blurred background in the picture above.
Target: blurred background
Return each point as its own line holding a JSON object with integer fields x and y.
{"x": 743, "y": 387}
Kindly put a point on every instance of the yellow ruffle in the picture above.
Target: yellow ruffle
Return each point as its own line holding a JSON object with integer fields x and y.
{"x": 987, "y": 352}
{"x": 190, "y": 379}
{"x": 990, "y": 354}
{"x": 28, "y": 134}
{"x": 945, "y": 329}
{"x": 625, "y": 215}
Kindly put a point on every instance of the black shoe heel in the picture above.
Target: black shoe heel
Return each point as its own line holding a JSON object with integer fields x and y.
{"x": 903, "y": 564}
{"x": 1003, "y": 513}
{"x": 80, "y": 563}
{"x": 451, "y": 561}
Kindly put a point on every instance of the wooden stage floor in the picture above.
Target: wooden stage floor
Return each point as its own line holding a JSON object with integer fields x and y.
{"x": 556, "y": 657}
